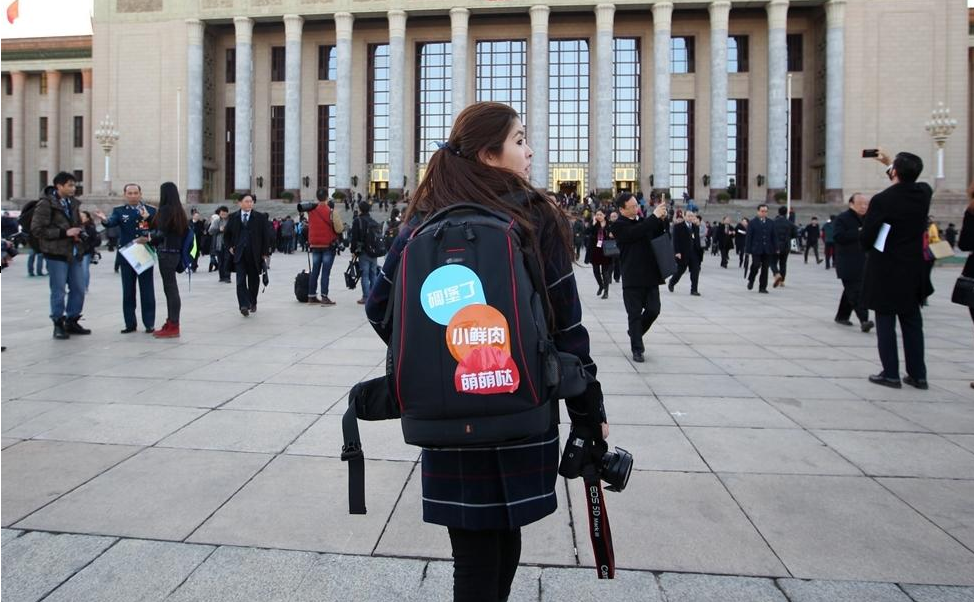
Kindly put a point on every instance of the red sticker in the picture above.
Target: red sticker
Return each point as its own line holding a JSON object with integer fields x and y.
{"x": 486, "y": 371}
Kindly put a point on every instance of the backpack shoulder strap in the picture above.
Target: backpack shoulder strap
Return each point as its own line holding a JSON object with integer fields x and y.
{"x": 352, "y": 453}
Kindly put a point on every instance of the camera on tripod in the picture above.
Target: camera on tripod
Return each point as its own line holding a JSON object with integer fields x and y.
{"x": 592, "y": 454}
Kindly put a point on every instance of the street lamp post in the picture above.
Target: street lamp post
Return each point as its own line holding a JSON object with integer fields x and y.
{"x": 940, "y": 127}
{"x": 107, "y": 136}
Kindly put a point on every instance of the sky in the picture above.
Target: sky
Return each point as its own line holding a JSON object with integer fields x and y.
{"x": 42, "y": 18}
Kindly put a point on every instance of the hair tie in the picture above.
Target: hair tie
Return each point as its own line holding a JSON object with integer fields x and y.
{"x": 446, "y": 146}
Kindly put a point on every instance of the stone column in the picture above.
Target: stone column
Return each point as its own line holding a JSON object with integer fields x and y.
{"x": 719, "y": 19}
{"x": 604, "y": 14}
{"x": 662, "y": 16}
{"x": 834, "y": 99}
{"x": 19, "y": 166}
{"x": 777, "y": 103}
{"x": 54, "y": 121}
{"x": 397, "y": 68}
{"x": 89, "y": 146}
{"x": 459, "y": 19}
{"x": 343, "y": 102}
{"x": 194, "y": 111}
{"x": 244, "y": 103}
{"x": 292, "y": 105}
{"x": 538, "y": 96}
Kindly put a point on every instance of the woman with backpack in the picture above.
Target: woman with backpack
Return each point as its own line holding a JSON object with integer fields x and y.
{"x": 484, "y": 495}
{"x": 167, "y": 235}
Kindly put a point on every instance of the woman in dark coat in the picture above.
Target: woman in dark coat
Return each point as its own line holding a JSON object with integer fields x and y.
{"x": 485, "y": 495}
{"x": 966, "y": 241}
{"x": 168, "y": 231}
{"x": 596, "y": 236}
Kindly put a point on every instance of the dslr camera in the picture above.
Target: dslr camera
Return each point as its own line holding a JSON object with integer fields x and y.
{"x": 585, "y": 454}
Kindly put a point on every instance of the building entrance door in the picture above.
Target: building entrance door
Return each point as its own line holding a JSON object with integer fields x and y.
{"x": 624, "y": 186}
{"x": 567, "y": 187}
{"x": 378, "y": 189}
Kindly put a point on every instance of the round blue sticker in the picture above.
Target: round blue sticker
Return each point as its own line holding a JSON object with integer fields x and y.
{"x": 449, "y": 289}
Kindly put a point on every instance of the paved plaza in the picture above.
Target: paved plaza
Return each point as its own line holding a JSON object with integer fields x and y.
{"x": 207, "y": 467}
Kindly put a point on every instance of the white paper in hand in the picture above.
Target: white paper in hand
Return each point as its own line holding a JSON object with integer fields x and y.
{"x": 880, "y": 244}
{"x": 139, "y": 256}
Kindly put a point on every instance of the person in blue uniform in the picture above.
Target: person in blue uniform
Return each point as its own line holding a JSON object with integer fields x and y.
{"x": 132, "y": 220}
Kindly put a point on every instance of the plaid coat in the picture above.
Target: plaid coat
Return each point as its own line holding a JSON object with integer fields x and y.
{"x": 495, "y": 487}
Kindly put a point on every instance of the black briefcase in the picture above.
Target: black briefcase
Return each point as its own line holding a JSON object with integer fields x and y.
{"x": 665, "y": 258}
{"x": 963, "y": 291}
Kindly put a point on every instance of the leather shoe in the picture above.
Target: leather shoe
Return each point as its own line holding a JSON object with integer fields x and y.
{"x": 637, "y": 356}
{"x": 777, "y": 281}
{"x": 128, "y": 329}
{"x": 843, "y": 322}
{"x": 866, "y": 326}
{"x": 763, "y": 290}
{"x": 881, "y": 379}
{"x": 916, "y": 383}
{"x": 695, "y": 294}
{"x": 750, "y": 285}
{"x": 245, "y": 311}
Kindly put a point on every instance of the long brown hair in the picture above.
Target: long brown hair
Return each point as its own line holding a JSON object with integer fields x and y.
{"x": 457, "y": 173}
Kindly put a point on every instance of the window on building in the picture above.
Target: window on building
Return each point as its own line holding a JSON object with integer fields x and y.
{"x": 434, "y": 107}
{"x": 681, "y": 54}
{"x": 278, "y": 64}
{"x": 43, "y": 83}
{"x": 231, "y": 62}
{"x": 8, "y": 190}
{"x": 42, "y": 180}
{"x": 795, "y": 53}
{"x": 277, "y": 151}
{"x": 326, "y": 147}
{"x": 79, "y": 131}
{"x": 8, "y": 85}
{"x": 795, "y": 118}
{"x": 79, "y": 178}
{"x": 229, "y": 153}
{"x": 377, "y": 128}
{"x": 568, "y": 81}
{"x": 42, "y": 132}
{"x": 327, "y": 63}
{"x": 8, "y": 132}
{"x": 737, "y": 54}
{"x": 737, "y": 141}
{"x": 625, "y": 100}
{"x": 502, "y": 74}
{"x": 681, "y": 147}
{"x": 79, "y": 83}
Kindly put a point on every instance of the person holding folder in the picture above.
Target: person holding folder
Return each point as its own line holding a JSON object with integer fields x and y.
{"x": 248, "y": 239}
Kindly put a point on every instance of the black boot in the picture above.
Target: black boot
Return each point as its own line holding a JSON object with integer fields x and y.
{"x": 59, "y": 332}
{"x": 71, "y": 326}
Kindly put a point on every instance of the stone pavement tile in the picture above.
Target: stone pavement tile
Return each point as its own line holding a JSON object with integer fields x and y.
{"x": 546, "y": 542}
{"x": 36, "y": 563}
{"x": 775, "y": 338}
{"x": 612, "y": 364}
{"x": 951, "y": 369}
{"x": 742, "y": 351}
{"x": 948, "y": 503}
{"x": 381, "y": 440}
{"x": 157, "y": 494}
{"x": 80, "y": 365}
{"x": 798, "y": 590}
{"x": 336, "y": 357}
{"x": 901, "y": 454}
{"x": 582, "y": 585}
{"x": 245, "y": 336}
{"x": 725, "y": 411}
{"x": 300, "y": 503}
{"x": 938, "y": 417}
{"x": 198, "y": 350}
{"x": 863, "y": 389}
{"x": 192, "y": 393}
{"x": 718, "y": 588}
{"x": 636, "y": 409}
{"x": 153, "y": 368}
{"x": 437, "y": 585}
{"x": 363, "y": 578}
{"x": 18, "y": 384}
{"x": 624, "y": 384}
{"x": 811, "y": 352}
{"x": 237, "y": 574}
{"x": 117, "y": 423}
{"x": 937, "y": 593}
{"x": 366, "y": 341}
{"x": 6, "y": 442}
{"x": 99, "y": 389}
{"x": 318, "y": 374}
{"x": 656, "y": 447}
{"x": 960, "y": 388}
{"x": 965, "y": 441}
{"x": 309, "y": 399}
{"x": 262, "y": 353}
{"x": 694, "y": 338}
{"x": 14, "y": 413}
{"x": 664, "y": 363}
{"x": 37, "y": 472}
{"x": 241, "y": 430}
{"x": 693, "y": 525}
{"x": 842, "y": 414}
{"x": 848, "y": 528}
{"x": 672, "y": 383}
{"x": 658, "y": 349}
{"x": 803, "y": 387}
{"x": 762, "y": 367}
{"x": 8, "y": 535}
{"x": 232, "y": 371}
{"x": 841, "y": 368}
{"x": 133, "y": 569}
{"x": 788, "y": 451}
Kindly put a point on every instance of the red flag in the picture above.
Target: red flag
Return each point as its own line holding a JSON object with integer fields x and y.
{"x": 12, "y": 12}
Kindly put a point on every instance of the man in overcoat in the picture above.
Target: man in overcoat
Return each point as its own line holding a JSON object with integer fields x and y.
{"x": 761, "y": 245}
{"x": 248, "y": 238}
{"x": 895, "y": 279}
{"x": 686, "y": 247}
{"x": 849, "y": 262}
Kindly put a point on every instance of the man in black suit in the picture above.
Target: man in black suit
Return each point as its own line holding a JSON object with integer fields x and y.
{"x": 784, "y": 231}
{"x": 248, "y": 237}
{"x": 640, "y": 272}
{"x": 686, "y": 247}
{"x": 849, "y": 262}
{"x": 895, "y": 280}
{"x": 761, "y": 245}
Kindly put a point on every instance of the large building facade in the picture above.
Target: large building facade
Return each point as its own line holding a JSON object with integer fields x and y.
{"x": 748, "y": 99}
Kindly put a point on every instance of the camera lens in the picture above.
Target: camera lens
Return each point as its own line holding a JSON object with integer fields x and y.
{"x": 616, "y": 469}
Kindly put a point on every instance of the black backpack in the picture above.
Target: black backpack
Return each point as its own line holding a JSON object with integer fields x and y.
{"x": 373, "y": 245}
{"x": 26, "y": 216}
{"x": 392, "y": 231}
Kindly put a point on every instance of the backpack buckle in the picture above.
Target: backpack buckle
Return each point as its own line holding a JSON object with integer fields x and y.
{"x": 351, "y": 451}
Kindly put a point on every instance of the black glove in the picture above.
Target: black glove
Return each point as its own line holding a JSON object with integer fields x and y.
{"x": 587, "y": 411}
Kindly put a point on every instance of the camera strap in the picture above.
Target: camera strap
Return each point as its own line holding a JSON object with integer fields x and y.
{"x": 598, "y": 524}
{"x": 352, "y": 453}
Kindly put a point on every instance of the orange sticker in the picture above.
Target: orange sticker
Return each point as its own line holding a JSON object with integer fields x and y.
{"x": 476, "y": 326}
{"x": 486, "y": 371}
